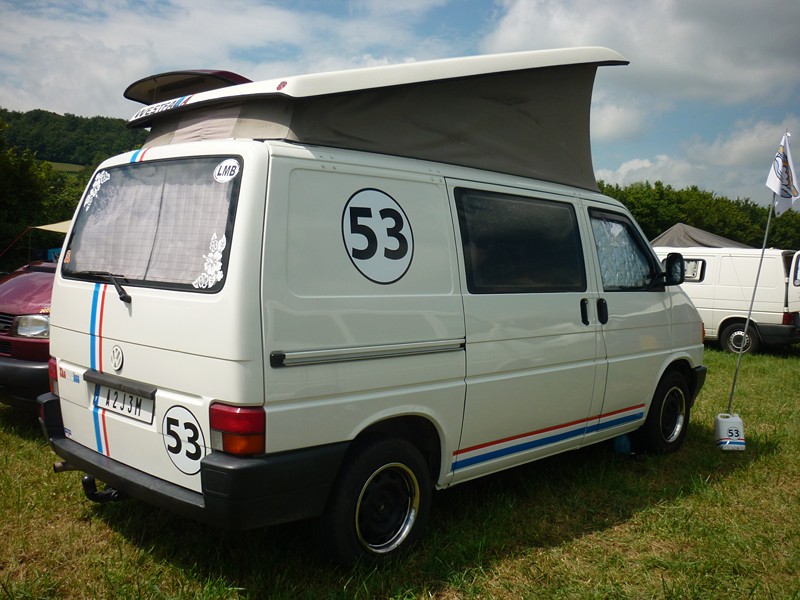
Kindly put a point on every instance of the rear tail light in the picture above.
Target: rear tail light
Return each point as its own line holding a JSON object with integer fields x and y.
{"x": 237, "y": 429}
{"x": 790, "y": 318}
{"x": 52, "y": 370}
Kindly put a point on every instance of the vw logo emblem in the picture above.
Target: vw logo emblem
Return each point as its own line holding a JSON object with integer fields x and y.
{"x": 117, "y": 358}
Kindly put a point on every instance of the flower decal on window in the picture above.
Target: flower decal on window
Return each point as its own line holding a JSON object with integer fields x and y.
{"x": 98, "y": 182}
{"x": 213, "y": 264}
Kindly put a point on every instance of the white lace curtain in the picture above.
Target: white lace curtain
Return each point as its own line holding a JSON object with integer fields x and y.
{"x": 162, "y": 223}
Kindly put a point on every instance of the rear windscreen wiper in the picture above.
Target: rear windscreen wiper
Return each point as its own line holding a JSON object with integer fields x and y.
{"x": 114, "y": 279}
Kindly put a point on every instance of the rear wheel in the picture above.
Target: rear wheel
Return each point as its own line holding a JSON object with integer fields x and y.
{"x": 668, "y": 419}
{"x": 379, "y": 504}
{"x": 733, "y": 337}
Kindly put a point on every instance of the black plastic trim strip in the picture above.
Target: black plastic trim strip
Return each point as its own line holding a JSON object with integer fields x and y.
{"x": 336, "y": 355}
{"x": 129, "y": 386}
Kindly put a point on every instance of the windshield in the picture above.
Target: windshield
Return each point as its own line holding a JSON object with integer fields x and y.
{"x": 161, "y": 223}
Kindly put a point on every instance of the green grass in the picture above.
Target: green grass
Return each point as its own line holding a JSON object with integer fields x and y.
{"x": 702, "y": 523}
{"x": 70, "y": 168}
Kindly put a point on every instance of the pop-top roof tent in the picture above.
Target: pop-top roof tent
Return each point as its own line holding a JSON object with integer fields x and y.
{"x": 681, "y": 235}
{"x": 522, "y": 113}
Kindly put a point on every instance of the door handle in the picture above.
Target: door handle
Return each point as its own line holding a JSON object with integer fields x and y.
{"x": 585, "y": 311}
{"x": 602, "y": 311}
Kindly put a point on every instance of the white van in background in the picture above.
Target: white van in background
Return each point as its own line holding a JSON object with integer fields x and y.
{"x": 326, "y": 296}
{"x": 720, "y": 283}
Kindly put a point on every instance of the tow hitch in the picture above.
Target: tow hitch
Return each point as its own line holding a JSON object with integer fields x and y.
{"x": 106, "y": 495}
{"x": 63, "y": 467}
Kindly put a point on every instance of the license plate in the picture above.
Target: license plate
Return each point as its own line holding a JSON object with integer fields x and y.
{"x": 125, "y": 404}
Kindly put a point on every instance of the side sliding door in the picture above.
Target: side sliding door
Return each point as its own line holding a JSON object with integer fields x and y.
{"x": 534, "y": 355}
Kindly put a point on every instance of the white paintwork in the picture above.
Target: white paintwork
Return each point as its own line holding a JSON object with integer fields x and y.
{"x": 483, "y": 369}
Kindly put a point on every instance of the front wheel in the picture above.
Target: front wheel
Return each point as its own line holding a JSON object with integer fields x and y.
{"x": 379, "y": 504}
{"x": 668, "y": 419}
{"x": 733, "y": 337}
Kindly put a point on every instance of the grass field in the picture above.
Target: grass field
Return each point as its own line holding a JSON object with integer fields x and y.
{"x": 702, "y": 523}
{"x": 67, "y": 167}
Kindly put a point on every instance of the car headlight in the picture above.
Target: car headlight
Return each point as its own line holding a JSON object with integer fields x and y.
{"x": 32, "y": 326}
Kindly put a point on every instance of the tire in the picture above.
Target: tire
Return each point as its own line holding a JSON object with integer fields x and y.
{"x": 732, "y": 336}
{"x": 379, "y": 504}
{"x": 667, "y": 422}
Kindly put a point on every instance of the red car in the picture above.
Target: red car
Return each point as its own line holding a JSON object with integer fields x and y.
{"x": 25, "y": 332}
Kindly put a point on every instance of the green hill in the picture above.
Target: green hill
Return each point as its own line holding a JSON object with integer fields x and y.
{"x": 68, "y": 138}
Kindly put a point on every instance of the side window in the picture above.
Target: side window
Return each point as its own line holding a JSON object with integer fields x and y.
{"x": 515, "y": 244}
{"x": 694, "y": 269}
{"x": 625, "y": 263}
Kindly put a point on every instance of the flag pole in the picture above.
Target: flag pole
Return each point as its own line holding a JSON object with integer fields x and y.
{"x": 752, "y": 302}
{"x": 728, "y": 427}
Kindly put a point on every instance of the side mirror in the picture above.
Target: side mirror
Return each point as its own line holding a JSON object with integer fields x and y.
{"x": 674, "y": 269}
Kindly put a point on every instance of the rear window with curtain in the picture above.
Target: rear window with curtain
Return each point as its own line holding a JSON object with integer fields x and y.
{"x": 158, "y": 224}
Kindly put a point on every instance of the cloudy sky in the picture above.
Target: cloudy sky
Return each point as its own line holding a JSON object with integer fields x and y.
{"x": 711, "y": 88}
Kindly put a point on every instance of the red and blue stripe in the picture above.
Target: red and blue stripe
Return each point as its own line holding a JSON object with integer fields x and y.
{"x": 138, "y": 155}
{"x": 481, "y": 453}
{"x": 96, "y": 364}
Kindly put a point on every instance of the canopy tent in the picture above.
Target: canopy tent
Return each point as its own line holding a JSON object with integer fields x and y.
{"x": 682, "y": 235}
{"x": 60, "y": 227}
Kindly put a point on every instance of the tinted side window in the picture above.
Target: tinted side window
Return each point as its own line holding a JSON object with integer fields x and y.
{"x": 625, "y": 263}
{"x": 515, "y": 244}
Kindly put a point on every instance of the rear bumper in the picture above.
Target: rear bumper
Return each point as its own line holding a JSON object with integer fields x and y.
{"x": 237, "y": 493}
{"x": 778, "y": 335}
{"x": 698, "y": 380}
{"x": 21, "y": 381}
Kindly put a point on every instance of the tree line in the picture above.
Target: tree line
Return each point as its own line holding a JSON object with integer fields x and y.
{"x": 69, "y": 138}
{"x": 34, "y": 188}
{"x": 34, "y": 192}
{"x": 658, "y": 206}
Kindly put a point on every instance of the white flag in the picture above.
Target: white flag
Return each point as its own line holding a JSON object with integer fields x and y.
{"x": 781, "y": 178}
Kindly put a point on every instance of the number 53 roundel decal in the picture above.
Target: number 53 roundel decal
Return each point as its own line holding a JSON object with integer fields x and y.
{"x": 377, "y": 236}
{"x": 183, "y": 439}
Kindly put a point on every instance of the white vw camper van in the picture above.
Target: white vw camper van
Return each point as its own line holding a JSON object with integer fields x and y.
{"x": 328, "y": 295}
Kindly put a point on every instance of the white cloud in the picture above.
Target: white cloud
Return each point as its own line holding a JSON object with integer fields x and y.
{"x": 78, "y": 56}
{"x": 396, "y": 7}
{"x": 733, "y": 61}
{"x": 615, "y": 121}
{"x": 733, "y": 165}
{"x": 715, "y": 53}
{"x": 722, "y": 51}
{"x": 678, "y": 172}
{"x": 89, "y": 90}
{"x": 727, "y": 59}
{"x": 747, "y": 143}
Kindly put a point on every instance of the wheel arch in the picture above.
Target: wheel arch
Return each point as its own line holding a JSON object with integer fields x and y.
{"x": 684, "y": 368}
{"x": 417, "y": 429}
{"x": 736, "y": 320}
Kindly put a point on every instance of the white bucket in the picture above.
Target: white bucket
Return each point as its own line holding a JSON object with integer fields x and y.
{"x": 730, "y": 432}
